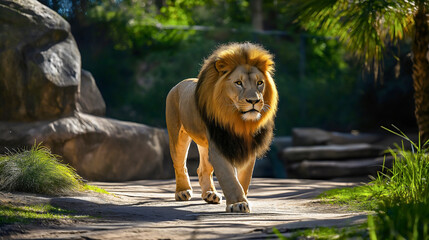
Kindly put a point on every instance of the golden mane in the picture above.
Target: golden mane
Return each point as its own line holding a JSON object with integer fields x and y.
{"x": 216, "y": 109}
{"x": 210, "y": 94}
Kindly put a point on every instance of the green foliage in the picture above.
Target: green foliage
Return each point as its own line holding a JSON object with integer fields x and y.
{"x": 407, "y": 181}
{"x": 37, "y": 170}
{"x": 140, "y": 25}
{"x": 402, "y": 221}
{"x": 365, "y": 27}
{"x": 402, "y": 214}
{"x": 25, "y": 214}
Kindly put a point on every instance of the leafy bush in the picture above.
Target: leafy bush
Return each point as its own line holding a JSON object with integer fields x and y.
{"x": 38, "y": 171}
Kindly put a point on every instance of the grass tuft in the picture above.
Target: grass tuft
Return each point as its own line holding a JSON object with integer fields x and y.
{"x": 407, "y": 181}
{"x": 37, "y": 171}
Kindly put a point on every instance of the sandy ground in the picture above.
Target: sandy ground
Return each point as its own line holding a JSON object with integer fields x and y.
{"x": 147, "y": 210}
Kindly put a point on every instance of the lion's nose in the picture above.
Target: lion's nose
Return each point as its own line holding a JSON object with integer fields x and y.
{"x": 253, "y": 101}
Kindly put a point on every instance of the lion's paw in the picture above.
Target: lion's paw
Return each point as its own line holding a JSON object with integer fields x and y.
{"x": 184, "y": 195}
{"x": 212, "y": 197}
{"x": 239, "y": 207}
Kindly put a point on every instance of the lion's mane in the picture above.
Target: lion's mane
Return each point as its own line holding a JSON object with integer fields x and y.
{"x": 235, "y": 138}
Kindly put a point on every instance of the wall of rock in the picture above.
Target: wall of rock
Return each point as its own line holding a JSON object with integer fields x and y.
{"x": 45, "y": 96}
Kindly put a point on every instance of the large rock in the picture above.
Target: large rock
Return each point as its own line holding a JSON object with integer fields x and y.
{"x": 40, "y": 66}
{"x": 316, "y": 136}
{"x": 350, "y": 151}
{"x": 340, "y": 169}
{"x": 309, "y": 137}
{"x": 90, "y": 99}
{"x": 98, "y": 148}
{"x": 44, "y": 96}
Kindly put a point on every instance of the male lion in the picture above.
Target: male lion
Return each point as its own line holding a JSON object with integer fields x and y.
{"x": 229, "y": 113}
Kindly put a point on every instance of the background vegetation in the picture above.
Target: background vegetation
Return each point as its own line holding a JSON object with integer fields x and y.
{"x": 138, "y": 50}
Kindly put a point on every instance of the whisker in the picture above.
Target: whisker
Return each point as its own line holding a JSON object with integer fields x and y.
{"x": 266, "y": 107}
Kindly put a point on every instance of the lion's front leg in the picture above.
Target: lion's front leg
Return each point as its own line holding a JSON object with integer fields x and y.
{"x": 226, "y": 174}
{"x": 245, "y": 174}
{"x": 205, "y": 177}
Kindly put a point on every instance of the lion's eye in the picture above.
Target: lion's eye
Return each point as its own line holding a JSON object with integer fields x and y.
{"x": 239, "y": 83}
{"x": 260, "y": 83}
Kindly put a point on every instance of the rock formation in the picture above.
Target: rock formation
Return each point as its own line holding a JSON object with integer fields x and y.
{"x": 40, "y": 65}
{"x": 46, "y": 97}
{"x": 98, "y": 148}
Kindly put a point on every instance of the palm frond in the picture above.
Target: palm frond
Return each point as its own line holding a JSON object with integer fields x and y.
{"x": 364, "y": 26}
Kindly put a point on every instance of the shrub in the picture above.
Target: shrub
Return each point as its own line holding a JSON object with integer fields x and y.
{"x": 38, "y": 171}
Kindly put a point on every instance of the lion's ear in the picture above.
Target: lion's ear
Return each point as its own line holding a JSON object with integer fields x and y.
{"x": 221, "y": 66}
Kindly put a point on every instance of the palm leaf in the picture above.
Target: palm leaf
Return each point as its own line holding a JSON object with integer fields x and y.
{"x": 364, "y": 26}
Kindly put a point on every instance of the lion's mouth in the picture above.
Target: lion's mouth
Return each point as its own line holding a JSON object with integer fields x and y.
{"x": 251, "y": 115}
{"x": 251, "y": 110}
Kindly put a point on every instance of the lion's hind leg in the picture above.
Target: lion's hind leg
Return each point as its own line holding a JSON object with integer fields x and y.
{"x": 205, "y": 177}
{"x": 179, "y": 151}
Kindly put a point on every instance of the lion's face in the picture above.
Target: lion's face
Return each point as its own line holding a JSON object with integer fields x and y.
{"x": 245, "y": 87}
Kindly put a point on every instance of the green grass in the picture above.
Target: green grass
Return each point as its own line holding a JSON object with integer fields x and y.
{"x": 39, "y": 171}
{"x": 407, "y": 181}
{"x": 92, "y": 188}
{"x": 366, "y": 197}
{"x": 402, "y": 221}
{"x": 326, "y": 233}
{"x": 399, "y": 197}
{"x": 26, "y": 214}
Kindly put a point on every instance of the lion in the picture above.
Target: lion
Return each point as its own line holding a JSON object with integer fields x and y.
{"x": 229, "y": 113}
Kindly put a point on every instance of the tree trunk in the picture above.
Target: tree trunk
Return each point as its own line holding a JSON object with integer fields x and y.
{"x": 257, "y": 15}
{"x": 421, "y": 70}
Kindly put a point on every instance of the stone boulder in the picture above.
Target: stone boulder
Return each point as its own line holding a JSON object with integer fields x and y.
{"x": 328, "y": 169}
{"x": 316, "y": 136}
{"x": 100, "y": 149}
{"x": 309, "y": 137}
{"x": 329, "y": 152}
{"x": 90, "y": 99}
{"x": 40, "y": 64}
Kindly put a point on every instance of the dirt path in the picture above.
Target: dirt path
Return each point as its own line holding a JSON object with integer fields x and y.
{"x": 147, "y": 210}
